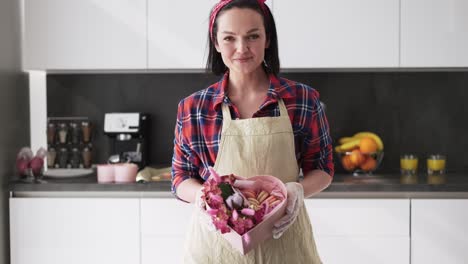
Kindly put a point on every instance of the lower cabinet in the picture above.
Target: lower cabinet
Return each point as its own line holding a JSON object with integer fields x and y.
{"x": 361, "y": 230}
{"x": 153, "y": 230}
{"x": 164, "y": 223}
{"x": 439, "y": 231}
{"x": 74, "y": 230}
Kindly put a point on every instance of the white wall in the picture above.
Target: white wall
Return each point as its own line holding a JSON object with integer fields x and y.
{"x": 14, "y": 109}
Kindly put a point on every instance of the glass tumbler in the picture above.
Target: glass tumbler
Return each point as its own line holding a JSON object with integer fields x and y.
{"x": 436, "y": 169}
{"x": 409, "y": 169}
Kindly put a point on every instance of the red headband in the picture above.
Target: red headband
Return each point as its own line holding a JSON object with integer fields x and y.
{"x": 223, "y": 3}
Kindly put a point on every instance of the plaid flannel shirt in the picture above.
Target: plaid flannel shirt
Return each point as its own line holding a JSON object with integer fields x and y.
{"x": 200, "y": 119}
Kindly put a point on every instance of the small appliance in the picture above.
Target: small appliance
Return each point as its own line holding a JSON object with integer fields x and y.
{"x": 129, "y": 137}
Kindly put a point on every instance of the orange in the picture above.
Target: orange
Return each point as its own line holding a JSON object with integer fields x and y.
{"x": 369, "y": 164}
{"x": 368, "y": 145}
{"x": 356, "y": 157}
{"x": 347, "y": 163}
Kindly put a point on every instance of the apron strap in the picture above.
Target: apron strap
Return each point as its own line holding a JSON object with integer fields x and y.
{"x": 226, "y": 112}
{"x": 226, "y": 117}
{"x": 282, "y": 108}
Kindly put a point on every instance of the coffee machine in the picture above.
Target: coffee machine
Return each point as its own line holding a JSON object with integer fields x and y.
{"x": 128, "y": 133}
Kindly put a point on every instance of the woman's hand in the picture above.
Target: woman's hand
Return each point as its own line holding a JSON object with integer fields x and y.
{"x": 294, "y": 203}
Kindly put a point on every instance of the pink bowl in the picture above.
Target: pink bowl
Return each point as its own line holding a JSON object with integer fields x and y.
{"x": 125, "y": 172}
{"x": 105, "y": 173}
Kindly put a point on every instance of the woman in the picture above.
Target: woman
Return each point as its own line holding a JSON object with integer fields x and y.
{"x": 249, "y": 123}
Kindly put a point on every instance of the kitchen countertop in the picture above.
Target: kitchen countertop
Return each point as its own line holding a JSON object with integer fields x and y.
{"x": 377, "y": 186}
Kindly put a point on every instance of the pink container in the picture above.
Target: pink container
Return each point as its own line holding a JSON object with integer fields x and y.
{"x": 264, "y": 230}
{"x": 105, "y": 173}
{"x": 125, "y": 172}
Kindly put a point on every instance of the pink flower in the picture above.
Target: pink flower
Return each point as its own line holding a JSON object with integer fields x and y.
{"x": 242, "y": 225}
{"x": 260, "y": 213}
{"x": 248, "y": 211}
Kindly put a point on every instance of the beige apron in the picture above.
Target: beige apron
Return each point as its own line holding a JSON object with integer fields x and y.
{"x": 249, "y": 147}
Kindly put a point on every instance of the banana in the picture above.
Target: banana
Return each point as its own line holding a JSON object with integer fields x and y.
{"x": 349, "y": 145}
{"x": 345, "y": 140}
{"x": 378, "y": 140}
{"x": 338, "y": 149}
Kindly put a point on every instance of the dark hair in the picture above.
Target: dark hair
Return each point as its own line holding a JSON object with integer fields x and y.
{"x": 215, "y": 62}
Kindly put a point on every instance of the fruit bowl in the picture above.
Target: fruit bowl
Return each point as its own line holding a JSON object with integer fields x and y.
{"x": 360, "y": 163}
{"x": 361, "y": 153}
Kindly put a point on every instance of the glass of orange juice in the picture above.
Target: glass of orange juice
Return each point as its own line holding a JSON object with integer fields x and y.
{"x": 409, "y": 169}
{"x": 436, "y": 169}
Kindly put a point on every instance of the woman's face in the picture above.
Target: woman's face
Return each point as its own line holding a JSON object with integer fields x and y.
{"x": 241, "y": 39}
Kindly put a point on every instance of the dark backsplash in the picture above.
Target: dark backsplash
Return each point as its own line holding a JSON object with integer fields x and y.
{"x": 416, "y": 112}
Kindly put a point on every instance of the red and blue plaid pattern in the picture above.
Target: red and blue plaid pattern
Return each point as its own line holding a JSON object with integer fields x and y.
{"x": 200, "y": 118}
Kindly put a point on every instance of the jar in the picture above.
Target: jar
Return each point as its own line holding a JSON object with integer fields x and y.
{"x": 51, "y": 155}
{"x": 75, "y": 133}
{"x": 51, "y": 133}
{"x": 62, "y": 132}
{"x": 86, "y": 155}
{"x": 86, "y": 130}
{"x": 63, "y": 158}
{"x": 75, "y": 158}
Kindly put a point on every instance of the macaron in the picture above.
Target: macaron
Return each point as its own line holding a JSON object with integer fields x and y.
{"x": 262, "y": 196}
{"x": 270, "y": 199}
{"x": 249, "y": 193}
{"x": 275, "y": 203}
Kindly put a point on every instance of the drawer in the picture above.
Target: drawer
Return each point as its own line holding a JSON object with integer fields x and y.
{"x": 345, "y": 217}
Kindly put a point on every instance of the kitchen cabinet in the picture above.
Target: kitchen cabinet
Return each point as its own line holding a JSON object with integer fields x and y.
{"x": 361, "y": 230}
{"x": 438, "y": 231}
{"x": 85, "y": 34}
{"x": 164, "y": 223}
{"x": 434, "y": 33}
{"x": 338, "y": 33}
{"x": 177, "y": 37}
{"x": 74, "y": 230}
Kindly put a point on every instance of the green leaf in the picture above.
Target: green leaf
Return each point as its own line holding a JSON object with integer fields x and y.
{"x": 226, "y": 190}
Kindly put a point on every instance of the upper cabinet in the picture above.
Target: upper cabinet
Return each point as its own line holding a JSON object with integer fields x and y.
{"x": 84, "y": 34}
{"x": 434, "y": 33}
{"x": 337, "y": 33}
{"x": 168, "y": 35}
{"x": 178, "y": 34}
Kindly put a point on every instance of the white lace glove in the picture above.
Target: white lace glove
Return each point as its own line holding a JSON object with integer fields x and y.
{"x": 204, "y": 218}
{"x": 294, "y": 203}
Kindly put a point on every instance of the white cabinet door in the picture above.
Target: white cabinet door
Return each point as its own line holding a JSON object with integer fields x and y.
{"x": 84, "y": 34}
{"x": 439, "y": 231}
{"x": 361, "y": 230}
{"x": 74, "y": 230}
{"x": 434, "y": 33}
{"x": 164, "y": 223}
{"x": 338, "y": 33}
{"x": 178, "y": 34}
